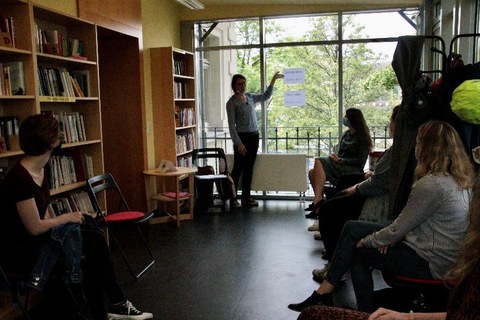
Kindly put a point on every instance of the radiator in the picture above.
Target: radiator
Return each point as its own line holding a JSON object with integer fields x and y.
{"x": 278, "y": 172}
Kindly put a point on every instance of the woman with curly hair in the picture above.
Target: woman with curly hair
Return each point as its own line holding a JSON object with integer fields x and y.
{"x": 425, "y": 239}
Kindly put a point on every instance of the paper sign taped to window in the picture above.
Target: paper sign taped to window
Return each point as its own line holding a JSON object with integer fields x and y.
{"x": 294, "y": 98}
{"x": 293, "y": 75}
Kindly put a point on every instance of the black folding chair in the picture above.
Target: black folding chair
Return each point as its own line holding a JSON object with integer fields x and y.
{"x": 122, "y": 215}
{"x": 219, "y": 175}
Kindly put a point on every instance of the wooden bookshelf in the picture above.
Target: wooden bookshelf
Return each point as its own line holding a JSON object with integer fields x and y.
{"x": 174, "y": 110}
{"x": 28, "y": 19}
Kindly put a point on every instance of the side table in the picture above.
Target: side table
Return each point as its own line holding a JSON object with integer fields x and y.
{"x": 170, "y": 180}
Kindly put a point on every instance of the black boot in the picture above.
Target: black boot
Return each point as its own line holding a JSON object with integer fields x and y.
{"x": 313, "y": 300}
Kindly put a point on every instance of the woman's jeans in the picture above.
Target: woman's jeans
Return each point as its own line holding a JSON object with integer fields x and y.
{"x": 66, "y": 242}
{"x": 243, "y": 165}
{"x": 399, "y": 259}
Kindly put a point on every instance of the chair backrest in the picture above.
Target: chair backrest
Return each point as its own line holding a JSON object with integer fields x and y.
{"x": 105, "y": 183}
{"x": 211, "y": 156}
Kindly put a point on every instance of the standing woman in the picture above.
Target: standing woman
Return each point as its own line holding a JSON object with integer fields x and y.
{"x": 26, "y": 227}
{"x": 242, "y": 122}
{"x": 353, "y": 151}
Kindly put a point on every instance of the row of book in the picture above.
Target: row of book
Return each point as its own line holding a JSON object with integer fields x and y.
{"x": 185, "y": 117}
{"x": 7, "y": 31}
{"x": 185, "y": 142}
{"x": 12, "y": 78}
{"x": 58, "y": 43}
{"x": 9, "y": 128}
{"x": 77, "y": 200}
{"x": 58, "y": 82}
{"x": 179, "y": 67}
{"x": 185, "y": 161}
{"x": 71, "y": 124}
{"x": 179, "y": 90}
{"x": 68, "y": 168}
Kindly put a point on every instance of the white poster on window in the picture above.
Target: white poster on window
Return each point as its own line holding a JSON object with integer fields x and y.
{"x": 293, "y": 75}
{"x": 294, "y": 98}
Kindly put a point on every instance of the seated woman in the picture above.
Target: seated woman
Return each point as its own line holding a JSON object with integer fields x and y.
{"x": 353, "y": 151}
{"x": 24, "y": 215}
{"x": 367, "y": 200}
{"x": 463, "y": 277}
{"x": 424, "y": 240}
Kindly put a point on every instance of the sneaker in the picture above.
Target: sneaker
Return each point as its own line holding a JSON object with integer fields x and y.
{"x": 126, "y": 311}
{"x": 317, "y": 235}
{"x": 320, "y": 274}
{"x": 313, "y": 300}
{"x": 236, "y": 204}
{"x": 314, "y": 227}
{"x": 250, "y": 202}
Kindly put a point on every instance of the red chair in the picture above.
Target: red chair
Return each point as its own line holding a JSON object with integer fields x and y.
{"x": 120, "y": 216}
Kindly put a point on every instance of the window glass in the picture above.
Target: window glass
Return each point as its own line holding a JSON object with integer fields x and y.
{"x": 299, "y": 29}
{"x": 377, "y": 25}
{"x": 242, "y": 32}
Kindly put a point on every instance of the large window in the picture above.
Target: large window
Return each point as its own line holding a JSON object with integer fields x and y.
{"x": 347, "y": 62}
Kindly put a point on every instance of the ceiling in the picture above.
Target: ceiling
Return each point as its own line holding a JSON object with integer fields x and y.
{"x": 295, "y": 2}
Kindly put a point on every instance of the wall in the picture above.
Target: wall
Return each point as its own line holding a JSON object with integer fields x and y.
{"x": 161, "y": 28}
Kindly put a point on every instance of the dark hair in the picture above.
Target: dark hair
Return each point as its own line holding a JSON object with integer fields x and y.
{"x": 395, "y": 111}
{"x": 357, "y": 121}
{"x": 37, "y": 134}
{"x": 235, "y": 78}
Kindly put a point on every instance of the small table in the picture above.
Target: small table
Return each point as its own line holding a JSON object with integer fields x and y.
{"x": 153, "y": 196}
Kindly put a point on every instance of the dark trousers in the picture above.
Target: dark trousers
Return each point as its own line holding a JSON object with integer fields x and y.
{"x": 334, "y": 213}
{"x": 100, "y": 278}
{"x": 243, "y": 165}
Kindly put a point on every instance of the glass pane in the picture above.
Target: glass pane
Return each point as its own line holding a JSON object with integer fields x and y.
{"x": 313, "y": 128}
{"x": 299, "y": 29}
{"x": 217, "y": 74}
{"x": 370, "y": 84}
{"x": 377, "y": 25}
{"x": 243, "y": 32}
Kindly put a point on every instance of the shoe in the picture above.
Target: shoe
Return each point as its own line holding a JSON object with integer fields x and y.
{"x": 311, "y": 215}
{"x": 250, "y": 202}
{"x": 314, "y": 206}
{"x": 125, "y": 311}
{"x": 236, "y": 204}
{"x": 320, "y": 274}
{"x": 317, "y": 235}
{"x": 314, "y": 227}
{"x": 313, "y": 300}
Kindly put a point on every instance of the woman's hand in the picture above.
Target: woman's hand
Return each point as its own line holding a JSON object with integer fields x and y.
{"x": 276, "y": 76}
{"x": 361, "y": 243}
{"x": 383, "y": 249}
{"x": 334, "y": 157}
{"x": 349, "y": 190}
{"x": 368, "y": 174}
{"x": 242, "y": 149}
{"x": 386, "y": 314}
{"x": 74, "y": 217}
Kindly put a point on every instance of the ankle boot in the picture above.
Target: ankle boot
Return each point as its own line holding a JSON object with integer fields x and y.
{"x": 313, "y": 300}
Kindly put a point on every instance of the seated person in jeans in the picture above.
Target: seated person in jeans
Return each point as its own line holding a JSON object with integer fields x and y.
{"x": 26, "y": 228}
{"x": 425, "y": 239}
{"x": 352, "y": 154}
{"x": 367, "y": 200}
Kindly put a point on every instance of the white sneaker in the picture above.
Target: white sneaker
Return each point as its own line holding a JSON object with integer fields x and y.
{"x": 314, "y": 226}
{"x": 126, "y": 311}
{"x": 317, "y": 235}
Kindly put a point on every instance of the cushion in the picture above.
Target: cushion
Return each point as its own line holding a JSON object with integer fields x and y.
{"x": 124, "y": 216}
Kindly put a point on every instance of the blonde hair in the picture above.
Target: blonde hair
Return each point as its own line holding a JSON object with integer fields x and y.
{"x": 440, "y": 150}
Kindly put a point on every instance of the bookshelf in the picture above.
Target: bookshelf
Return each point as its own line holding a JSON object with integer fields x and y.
{"x": 58, "y": 52}
{"x": 173, "y": 99}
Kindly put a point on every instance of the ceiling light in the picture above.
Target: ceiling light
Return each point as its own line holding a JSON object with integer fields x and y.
{"x": 192, "y": 4}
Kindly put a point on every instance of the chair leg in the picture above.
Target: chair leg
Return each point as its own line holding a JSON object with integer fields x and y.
{"x": 124, "y": 256}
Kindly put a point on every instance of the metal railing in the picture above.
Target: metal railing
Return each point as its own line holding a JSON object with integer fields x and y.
{"x": 314, "y": 141}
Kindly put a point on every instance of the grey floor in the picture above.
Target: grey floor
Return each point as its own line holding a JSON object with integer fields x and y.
{"x": 244, "y": 264}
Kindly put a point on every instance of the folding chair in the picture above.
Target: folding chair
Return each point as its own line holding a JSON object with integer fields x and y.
{"x": 121, "y": 216}
{"x": 216, "y": 159}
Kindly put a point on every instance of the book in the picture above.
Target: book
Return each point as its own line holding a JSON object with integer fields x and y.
{"x": 16, "y": 77}
{"x": 83, "y": 79}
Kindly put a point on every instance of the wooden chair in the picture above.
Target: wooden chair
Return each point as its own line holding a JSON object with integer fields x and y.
{"x": 120, "y": 216}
